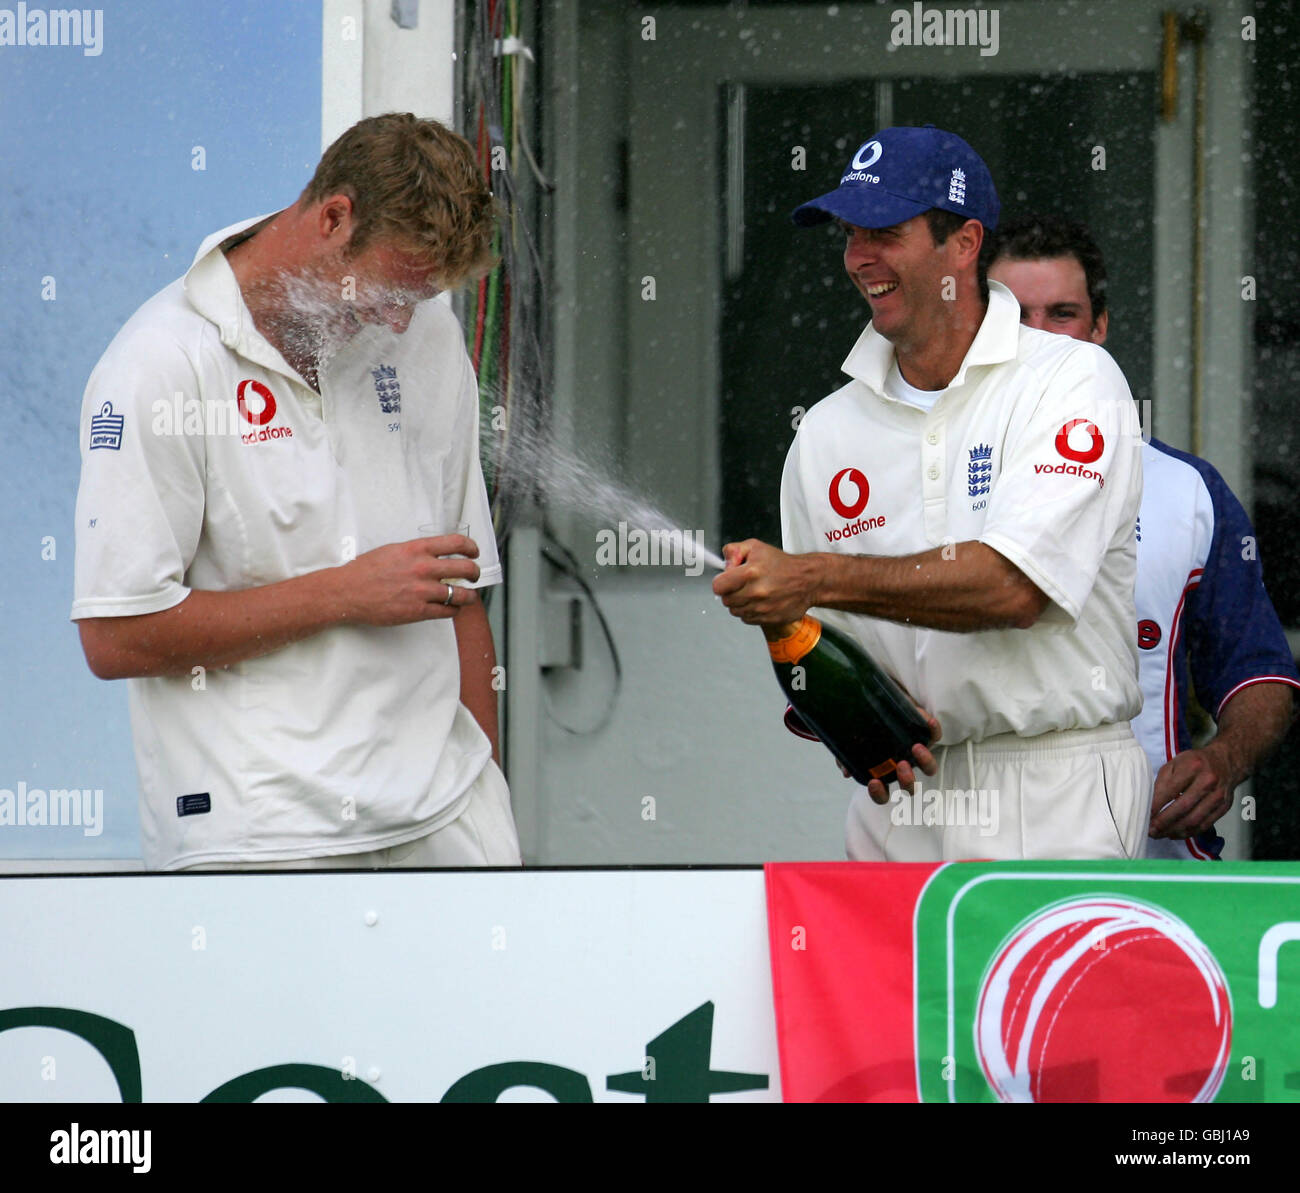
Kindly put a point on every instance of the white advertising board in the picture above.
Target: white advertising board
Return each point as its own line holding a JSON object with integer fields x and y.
{"x": 576, "y": 985}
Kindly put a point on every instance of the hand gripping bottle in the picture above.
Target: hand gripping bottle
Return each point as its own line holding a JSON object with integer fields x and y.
{"x": 864, "y": 717}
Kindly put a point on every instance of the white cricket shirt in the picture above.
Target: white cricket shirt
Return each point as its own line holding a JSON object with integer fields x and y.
{"x": 207, "y": 463}
{"x": 1204, "y": 617}
{"x": 1033, "y": 449}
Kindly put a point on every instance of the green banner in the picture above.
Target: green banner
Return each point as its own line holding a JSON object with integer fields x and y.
{"x": 1099, "y": 981}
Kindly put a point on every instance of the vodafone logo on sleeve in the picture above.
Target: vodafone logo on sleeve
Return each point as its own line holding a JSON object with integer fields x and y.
{"x": 257, "y": 406}
{"x": 848, "y": 495}
{"x": 1069, "y": 444}
{"x": 1091, "y": 452}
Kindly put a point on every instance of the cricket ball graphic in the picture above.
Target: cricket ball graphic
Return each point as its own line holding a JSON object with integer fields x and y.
{"x": 1103, "y": 999}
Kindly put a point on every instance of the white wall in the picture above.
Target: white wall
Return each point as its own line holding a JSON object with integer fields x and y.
{"x": 696, "y": 728}
{"x": 371, "y": 65}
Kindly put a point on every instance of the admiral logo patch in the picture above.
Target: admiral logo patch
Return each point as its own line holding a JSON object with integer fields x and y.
{"x": 106, "y": 428}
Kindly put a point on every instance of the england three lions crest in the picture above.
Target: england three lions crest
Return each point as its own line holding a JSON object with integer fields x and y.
{"x": 980, "y": 470}
{"x": 387, "y": 389}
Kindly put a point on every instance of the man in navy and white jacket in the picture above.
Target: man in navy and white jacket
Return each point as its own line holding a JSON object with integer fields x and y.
{"x": 1205, "y": 622}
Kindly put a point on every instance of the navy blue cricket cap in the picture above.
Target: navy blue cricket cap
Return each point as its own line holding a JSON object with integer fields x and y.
{"x": 902, "y": 172}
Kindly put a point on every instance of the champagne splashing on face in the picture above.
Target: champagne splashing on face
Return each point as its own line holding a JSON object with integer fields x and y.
{"x": 304, "y": 315}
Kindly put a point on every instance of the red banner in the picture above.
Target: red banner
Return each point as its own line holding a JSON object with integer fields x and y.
{"x": 842, "y": 977}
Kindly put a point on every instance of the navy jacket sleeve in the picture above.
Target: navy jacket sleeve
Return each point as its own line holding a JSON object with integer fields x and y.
{"x": 1234, "y": 637}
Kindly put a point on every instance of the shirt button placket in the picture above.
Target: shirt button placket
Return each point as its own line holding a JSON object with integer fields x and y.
{"x": 932, "y": 485}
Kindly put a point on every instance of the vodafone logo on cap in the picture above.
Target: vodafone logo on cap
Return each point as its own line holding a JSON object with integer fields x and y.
{"x": 860, "y": 167}
{"x": 261, "y": 409}
{"x": 865, "y": 163}
{"x": 1046, "y": 1029}
{"x": 857, "y": 484}
{"x": 1087, "y": 455}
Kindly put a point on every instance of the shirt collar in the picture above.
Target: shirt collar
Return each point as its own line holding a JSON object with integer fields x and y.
{"x": 996, "y": 341}
{"x": 214, "y": 293}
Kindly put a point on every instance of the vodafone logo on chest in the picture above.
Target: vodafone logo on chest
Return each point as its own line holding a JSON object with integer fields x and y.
{"x": 1082, "y": 443}
{"x": 848, "y": 494}
{"x": 857, "y": 487}
{"x": 257, "y": 407}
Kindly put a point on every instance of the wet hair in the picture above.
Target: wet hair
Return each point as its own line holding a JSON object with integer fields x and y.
{"x": 416, "y": 183}
{"x": 1035, "y": 237}
{"x": 943, "y": 224}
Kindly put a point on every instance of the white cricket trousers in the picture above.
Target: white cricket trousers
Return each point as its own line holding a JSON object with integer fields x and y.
{"x": 1074, "y": 794}
{"x": 482, "y": 835}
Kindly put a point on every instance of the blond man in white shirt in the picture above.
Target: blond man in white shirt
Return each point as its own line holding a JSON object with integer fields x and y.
{"x": 309, "y": 671}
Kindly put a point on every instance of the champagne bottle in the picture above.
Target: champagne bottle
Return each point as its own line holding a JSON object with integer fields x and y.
{"x": 864, "y": 717}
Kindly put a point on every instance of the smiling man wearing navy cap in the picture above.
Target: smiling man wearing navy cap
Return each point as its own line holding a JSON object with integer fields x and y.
{"x": 964, "y": 507}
